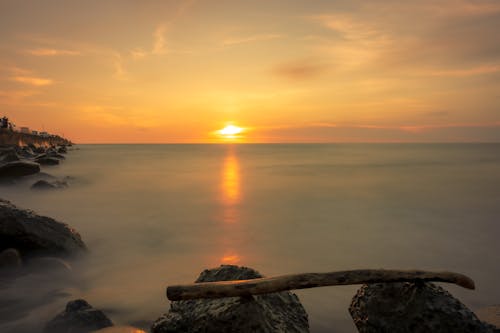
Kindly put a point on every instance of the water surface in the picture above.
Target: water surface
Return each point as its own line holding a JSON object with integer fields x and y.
{"x": 154, "y": 215}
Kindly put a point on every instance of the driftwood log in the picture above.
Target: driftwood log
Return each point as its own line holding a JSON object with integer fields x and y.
{"x": 246, "y": 288}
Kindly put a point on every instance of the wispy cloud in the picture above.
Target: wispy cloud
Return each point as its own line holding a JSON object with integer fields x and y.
{"x": 25, "y": 76}
{"x": 32, "y": 80}
{"x": 479, "y": 70}
{"x": 160, "y": 43}
{"x": 300, "y": 69}
{"x": 119, "y": 70}
{"x": 248, "y": 39}
{"x": 47, "y": 52}
{"x": 138, "y": 53}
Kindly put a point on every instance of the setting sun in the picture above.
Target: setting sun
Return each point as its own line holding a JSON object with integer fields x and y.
{"x": 230, "y": 131}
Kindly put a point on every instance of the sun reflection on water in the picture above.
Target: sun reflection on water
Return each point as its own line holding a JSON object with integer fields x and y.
{"x": 230, "y": 180}
{"x": 230, "y": 199}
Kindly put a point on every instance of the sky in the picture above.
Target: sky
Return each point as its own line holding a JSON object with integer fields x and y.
{"x": 152, "y": 71}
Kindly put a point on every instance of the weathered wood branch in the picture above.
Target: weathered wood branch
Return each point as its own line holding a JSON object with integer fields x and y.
{"x": 246, "y": 288}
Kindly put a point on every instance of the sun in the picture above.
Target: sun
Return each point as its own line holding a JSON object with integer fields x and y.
{"x": 230, "y": 131}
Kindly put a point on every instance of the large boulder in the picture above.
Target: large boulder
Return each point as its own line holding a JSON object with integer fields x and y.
{"x": 277, "y": 312}
{"x": 18, "y": 169}
{"x": 33, "y": 234}
{"x": 412, "y": 308}
{"x": 78, "y": 317}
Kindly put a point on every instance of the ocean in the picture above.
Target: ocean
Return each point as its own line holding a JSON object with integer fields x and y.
{"x": 157, "y": 215}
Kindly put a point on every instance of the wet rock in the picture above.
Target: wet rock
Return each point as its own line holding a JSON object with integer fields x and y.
{"x": 10, "y": 259}
{"x": 47, "y": 160}
{"x": 33, "y": 234}
{"x": 49, "y": 185}
{"x": 18, "y": 169}
{"x": 78, "y": 317}
{"x": 9, "y": 155}
{"x": 26, "y": 152}
{"x": 412, "y": 308}
{"x": 277, "y": 312}
{"x": 38, "y": 150}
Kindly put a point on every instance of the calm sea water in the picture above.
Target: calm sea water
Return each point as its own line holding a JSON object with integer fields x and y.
{"x": 154, "y": 215}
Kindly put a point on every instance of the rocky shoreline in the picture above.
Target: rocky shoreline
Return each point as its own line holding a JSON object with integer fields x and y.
{"x": 33, "y": 243}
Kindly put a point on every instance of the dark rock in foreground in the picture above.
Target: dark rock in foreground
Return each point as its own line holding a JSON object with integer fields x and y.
{"x": 412, "y": 308}
{"x": 79, "y": 317}
{"x": 33, "y": 234}
{"x": 277, "y": 312}
{"x": 18, "y": 169}
{"x": 49, "y": 185}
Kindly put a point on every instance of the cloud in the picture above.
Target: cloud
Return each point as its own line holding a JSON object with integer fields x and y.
{"x": 335, "y": 132}
{"x": 138, "y": 53}
{"x": 32, "y": 80}
{"x": 45, "y": 52}
{"x": 119, "y": 70}
{"x": 299, "y": 70}
{"x": 479, "y": 70}
{"x": 27, "y": 77}
{"x": 160, "y": 44}
{"x": 249, "y": 39}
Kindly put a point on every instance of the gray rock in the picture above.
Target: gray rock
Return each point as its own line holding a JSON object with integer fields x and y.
{"x": 277, "y": 312}
{"x": 79, "y": 317}
{"x": 47, "y": 160}
{"x": 412, "y": 308}
{"x": 10, "y": 259}
{"x": 18, "y": 169}
{"x": 49, "y": 185}
{"x": 33, "y": 234}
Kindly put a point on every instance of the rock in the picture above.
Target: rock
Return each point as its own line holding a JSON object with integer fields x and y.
{"x": 10, "y": 258}
{"x": 49, "y": 185}
{"x": 62, "y": 150}
{"x": 18, "y": 169}
{"x": 9, "y": 155}
{"x": 26, "y": 152}
{"x": 79, "y": 317}
{"x": 33, "y": 234}
{"x": 39, "y": 150}
{"x": 277, "y": 312}
{"x": 120, "y": 329}
{"x": 412, "y": 308}
{"x": 47, "y": 160}
{"x": 56, "y": 155}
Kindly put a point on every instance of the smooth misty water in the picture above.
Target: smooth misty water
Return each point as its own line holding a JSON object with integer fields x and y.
{"x": 154, "y": 215}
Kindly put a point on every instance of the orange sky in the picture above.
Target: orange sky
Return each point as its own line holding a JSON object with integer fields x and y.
{"x": 287, "y": 71}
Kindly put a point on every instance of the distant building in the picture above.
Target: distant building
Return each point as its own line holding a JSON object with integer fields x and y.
{"x": 34, "y": 132}
{"x": 25, "y": 130}
{"x": 44, "y": 134}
